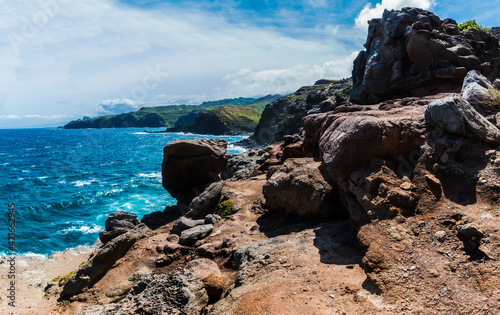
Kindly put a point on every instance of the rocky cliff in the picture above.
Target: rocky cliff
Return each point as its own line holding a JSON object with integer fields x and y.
{"x": 283, "y": 117}
{"x": 413, "y": 52}
{"x": 385, "y": 208}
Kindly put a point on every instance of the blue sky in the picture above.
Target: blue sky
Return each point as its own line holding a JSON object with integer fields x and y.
{"x": 63, "y": 59}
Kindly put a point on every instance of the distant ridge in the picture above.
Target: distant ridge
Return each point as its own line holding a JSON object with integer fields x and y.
{"x": 166, "y": 116}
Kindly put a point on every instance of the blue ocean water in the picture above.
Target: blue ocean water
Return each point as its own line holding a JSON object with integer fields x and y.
{"x": 64, "y": 183}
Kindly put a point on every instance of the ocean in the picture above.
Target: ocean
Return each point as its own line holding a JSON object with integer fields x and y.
{"x": 64, "y": 183}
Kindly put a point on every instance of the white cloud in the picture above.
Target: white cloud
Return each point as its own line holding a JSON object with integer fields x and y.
{"x": 369, "y": 12}
{"x": 119, "y": 105}
{"x": 87, "y": 51}
{"x": 248, "y": 83}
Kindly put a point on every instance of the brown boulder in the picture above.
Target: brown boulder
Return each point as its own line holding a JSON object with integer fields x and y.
{"x": 299, "y": 187}
{"x": 189, "y": 165}
{"x": 208, "y": 271}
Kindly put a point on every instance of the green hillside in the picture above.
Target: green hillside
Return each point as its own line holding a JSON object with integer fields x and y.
{"x": 165, "y": 116}
{"x": 223, "y": 120}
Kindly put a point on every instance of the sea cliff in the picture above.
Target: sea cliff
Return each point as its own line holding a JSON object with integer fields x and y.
{"x": 377, "y": 197}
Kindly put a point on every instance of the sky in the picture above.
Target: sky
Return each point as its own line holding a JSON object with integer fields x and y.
{"x": 65, "y": 59}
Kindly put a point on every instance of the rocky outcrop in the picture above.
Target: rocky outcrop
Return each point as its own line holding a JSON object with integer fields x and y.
{"x": 455, "y": 115}
{"x": 190, "y": 165}
{"x": 208, "y": 271}
{"x": 103, "y": 259}
{"x": 177, "y": 293}
{"x": 412, "y": 52}
{"x": 369, "y": 155}
{"x": 117, "y": 224}
{"x": 283, "y": 117}
{"x": 299, "y": 186}
{"x": 207, "y": 201}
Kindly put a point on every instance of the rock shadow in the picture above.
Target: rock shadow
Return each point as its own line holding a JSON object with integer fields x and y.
{"x": 338, "y": 244}
{"x": 158, "y": 219}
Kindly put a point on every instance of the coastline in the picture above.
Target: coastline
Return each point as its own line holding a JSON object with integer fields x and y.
{"x": 32, "y": 274}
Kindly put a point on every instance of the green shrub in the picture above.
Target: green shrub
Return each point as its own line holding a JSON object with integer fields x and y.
{"x": 493, "y": 99}
{"x": 225, "y": 208}
{"x": 471, "y": 25}
{"x": 64, "y": 278}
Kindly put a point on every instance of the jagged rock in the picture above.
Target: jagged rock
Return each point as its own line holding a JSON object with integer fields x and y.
{"x": 208, "y": 271}
{"x": 240, "y": 166}
{"x": 103, "y": 260}
{"x": 159, "y": 294}
{"x": 190, "y": 236}
{"x": 470, "y": 231}
{"x": 212, "y": 219}
{"x": 452, "y": 113}
{"x": 351, "y": 141}
{"x": 475, "y": 89}
{"x": 444, "y": 115}
{"x": 117, "y": 224}
{"x": 207, "y": 201}
{"x": 283, "y": 117}
{"x": 190, "y": 165}
{"x": 411, "y": 52}
{"x": 299, "y": 187}
{"x": 184, "y": 224}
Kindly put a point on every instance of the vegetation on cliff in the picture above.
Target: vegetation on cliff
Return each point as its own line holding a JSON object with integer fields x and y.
{"x": 168, "y": 116}
{"x": 222, "y": 120}
{"x": 284, "y": 116}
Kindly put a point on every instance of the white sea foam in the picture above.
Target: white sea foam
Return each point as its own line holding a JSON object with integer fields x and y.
{"x": 236, "y": 149}
{"x": 43, "y": 177}
{"x": 83, "y": 229}
{"x": 33, "y": 255}
{"x": 150, "y": 175}
{"x": 80, "y": 183}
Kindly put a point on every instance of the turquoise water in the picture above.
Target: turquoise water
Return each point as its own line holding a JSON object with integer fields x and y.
{"x": 64, "y": 183}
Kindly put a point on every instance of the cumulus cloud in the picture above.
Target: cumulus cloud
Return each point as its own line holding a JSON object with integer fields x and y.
{"x": 92, "y": 50}
{"x": 372, "y": 12}
{"x": 247, "y": 82}
{"x": 119, "y": 105}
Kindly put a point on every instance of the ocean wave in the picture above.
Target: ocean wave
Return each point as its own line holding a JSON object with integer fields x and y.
{"x": 236, "y": 148}
{"x": 80, "y": 183}
{"x": 83, "y": 229}
{"x": 150, "y": 175}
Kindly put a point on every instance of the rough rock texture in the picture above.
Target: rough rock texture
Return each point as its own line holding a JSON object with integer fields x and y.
{"x": 190, "y": 236}
{"x": 184, "y": 223}
{"x": 283, "y": 117}
{"x": 208, "y": 271}
{"x": 299, "y": 186}
{"x": 189, "y": 165}
{"x": 413, "y": 53}
{"x": 454, "y": 114}
{"x": 103, "y": 259}
{"x": 207, "y": 201}
{"x": 365, "y": 150}
{"x": 159, "y": 294}
{"x": 117, "y": 224}
{"x": 475, "y": 88}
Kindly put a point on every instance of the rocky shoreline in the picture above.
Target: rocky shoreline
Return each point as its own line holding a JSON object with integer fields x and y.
{"x": 366, "y": 197}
